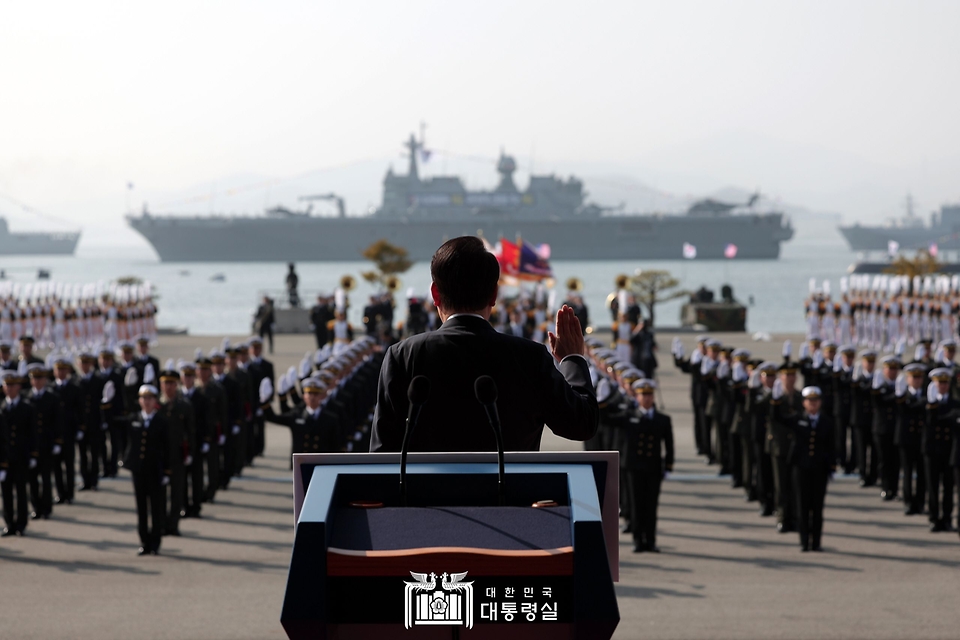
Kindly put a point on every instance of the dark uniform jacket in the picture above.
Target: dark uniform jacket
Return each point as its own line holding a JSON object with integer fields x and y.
{"x": 861, "y": 410}
{"x": 181, "y": 432}
{"x": 784, "y": 412}
{"x": 939, "y": 429}
{"x": 884, "y": 410}
{"x": 258, "y": 370}
{"x": 113, "y": 410}
{"x": 757, "y": 408}
{"x": 217, "y": 399}
{"x": 911, "y": 417}
{"x": 50, "y": 427}
{"x": 842, "y": 383}
{"x": 204, "y": 420}
{"x": 91, "y": 391}
{"x": 18, "y": 435}
{"x": 813, "y": 449}
{"x": 148, "y": 450}
{"x": 645, "y": 441}
{"x": 69, "y": 394}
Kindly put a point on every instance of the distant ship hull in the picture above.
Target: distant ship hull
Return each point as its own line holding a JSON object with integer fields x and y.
{"x": 306, "y": 238}
{"x": 878, "y": 238}
{"x": 38, "y": 244}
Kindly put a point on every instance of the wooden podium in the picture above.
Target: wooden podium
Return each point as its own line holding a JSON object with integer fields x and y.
{"x": 453, "y": 562}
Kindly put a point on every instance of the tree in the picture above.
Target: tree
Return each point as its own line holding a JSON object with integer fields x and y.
{"x": 389, "y": 259}
{"x": 653, "y": 286}
{"x": 921, "y": 264}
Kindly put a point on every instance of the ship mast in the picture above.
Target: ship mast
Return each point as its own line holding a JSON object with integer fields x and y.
{"x": 413, "y": 147}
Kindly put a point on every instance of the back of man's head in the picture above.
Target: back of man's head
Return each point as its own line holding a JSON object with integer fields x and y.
{"x": 466, "y": 274}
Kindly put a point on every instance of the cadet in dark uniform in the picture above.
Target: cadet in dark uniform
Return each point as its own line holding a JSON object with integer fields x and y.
{"x": 65, "y": 464}
{"x": 741, "y": 437}
{"x": 884, "y": 401}
{"x": 178, "y": 415}
{"x": 912, "y": 414}
{"x": 18, "y": 453}
{"x": 144, "y": 358}
{"x": 148, "y": 460}
{"x": 861, "y": 418}
{"x": 233, "y": 404}
{"x": 812, "y": 457}
{"x": 942, "y": 413}
{"x": 320, "y": 315}
{"x": 785, "y": 405}
{"x": 203, "y": 419}
{"x": 648, "y": 457}
{"x": 310, "y": 428}
{"x": 216, "y": 400}
{"x": 691, "y": 366}
{"x": 248, "y": 400}
{"x": 26, "y": 351}
{"x": 842, "y": 383}
{"x": 113, "y": 413}
{"x": 90, "y": 433}
{"x": 259, "y": 368}
{"x": 758, "y": 411}
{"x": 49, "y": 423}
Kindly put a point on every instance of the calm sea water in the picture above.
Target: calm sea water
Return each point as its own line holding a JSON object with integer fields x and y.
{"x": 188, "y": 297}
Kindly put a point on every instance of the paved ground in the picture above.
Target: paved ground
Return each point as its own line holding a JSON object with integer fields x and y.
{"x": 724, "y": 571}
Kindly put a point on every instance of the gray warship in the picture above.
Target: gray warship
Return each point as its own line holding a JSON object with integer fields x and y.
{"x": 419, "y": 214}
{"x": 36, "y": 243}
{"x": 910, "y": 232}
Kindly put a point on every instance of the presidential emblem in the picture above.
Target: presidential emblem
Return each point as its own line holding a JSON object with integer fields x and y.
{"x": 449, "y": 604}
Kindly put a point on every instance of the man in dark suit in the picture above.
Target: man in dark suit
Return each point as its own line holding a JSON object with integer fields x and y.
{"x": 534, "y": 388}
{"x": 148, "y": 460}
{"x": 647, "y": 455}
{"x": 18, "y": 453}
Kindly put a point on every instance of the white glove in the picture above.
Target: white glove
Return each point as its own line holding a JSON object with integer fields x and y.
{"x": 235, "y": 430}
{"x": 79, "y": 436}
{"x": 188, "y": 461}
{"x": 739, "y": 372}
{"x": 680, "y": 352}
{"x": 222, "y": 440}
{"x": 787, "y": 348}
{"x": 32, "y": 464}
{"x": 131, "y": 379}
{"x": 804, "y": 350}
{"x": 933, "y": 393}
{"x": 104, "y": 426}
{"x": 878, "y": 379}
{"x": 165, "y": 480}
{"x": 676, "y": 343}
{"x": 109, "y": 391}
{"x": 205, "y": 448}
{"x": 56, "y": 450}
{"x": 723, "y": 369}
{"x": 817, "y": 359}
{"x": 900, "y": 386}
{"x": 777, "y": 389}
{"x": 3, "y": 475}
{"x": 754, "y": 379}
{"x": 266, "y": 390}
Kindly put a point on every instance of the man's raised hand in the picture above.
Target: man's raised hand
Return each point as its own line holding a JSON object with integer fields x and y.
{"x": 568, "y": 340}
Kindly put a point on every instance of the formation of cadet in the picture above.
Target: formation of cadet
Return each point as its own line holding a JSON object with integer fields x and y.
{"x": 183, "y": 431}
{"x": 631, "y": 424}
{"x": 76, "y": 317}
{"x": 893, "y": 424}
{"x": 881, "y": 311}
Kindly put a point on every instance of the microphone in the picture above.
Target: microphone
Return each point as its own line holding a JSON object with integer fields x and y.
{"x": 486, "y": 391}
{"x": 417, "y": 394}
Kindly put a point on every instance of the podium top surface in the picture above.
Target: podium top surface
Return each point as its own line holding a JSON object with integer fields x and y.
{"x": 589, "y": 473}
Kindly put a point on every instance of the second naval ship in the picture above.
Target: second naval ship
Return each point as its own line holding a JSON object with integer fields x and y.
{"x": 419, "y": 214}
{"x": 909, "y": 233}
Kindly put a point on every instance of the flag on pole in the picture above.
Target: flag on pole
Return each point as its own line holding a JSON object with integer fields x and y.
{"x": 730, "y": 251}
{"x": 689, "y": 251}
{"x": 893, "y": 247}
{"x": 934, "y": 250}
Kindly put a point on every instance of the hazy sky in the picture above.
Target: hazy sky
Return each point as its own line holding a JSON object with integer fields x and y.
{"x": 839, "y": 105}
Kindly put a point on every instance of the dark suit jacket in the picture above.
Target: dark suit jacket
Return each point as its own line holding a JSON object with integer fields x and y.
{"x": 532, "y": 391}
